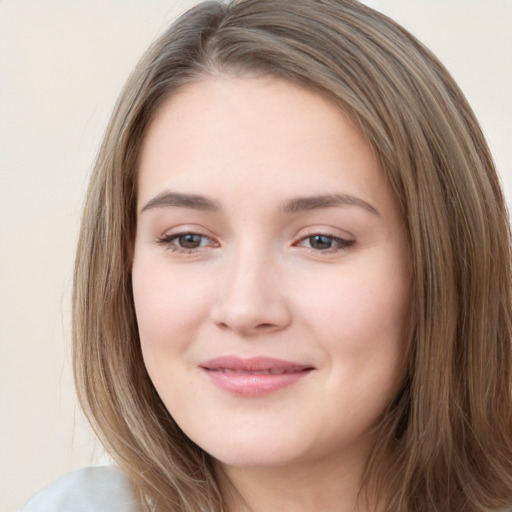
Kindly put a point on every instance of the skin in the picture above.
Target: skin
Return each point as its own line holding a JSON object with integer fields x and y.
{"x": 257, "y": 282}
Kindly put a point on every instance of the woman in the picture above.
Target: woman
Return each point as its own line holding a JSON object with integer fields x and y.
{"x": 292, "y": 285}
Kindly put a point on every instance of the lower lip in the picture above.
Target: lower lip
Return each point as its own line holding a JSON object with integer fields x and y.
{"x": 247, "y": 384}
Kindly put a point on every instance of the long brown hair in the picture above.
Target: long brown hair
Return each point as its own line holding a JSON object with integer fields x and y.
{"x": 449, "y": 428}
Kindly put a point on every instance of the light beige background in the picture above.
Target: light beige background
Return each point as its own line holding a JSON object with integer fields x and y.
{"x": 62, "y": 64}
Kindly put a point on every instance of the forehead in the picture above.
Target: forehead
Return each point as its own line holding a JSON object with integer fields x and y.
{"x": 214, "y": 110}
{"x": 265, "y": 134}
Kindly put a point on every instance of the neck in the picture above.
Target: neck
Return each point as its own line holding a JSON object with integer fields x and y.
{"x": 317, "y": 486}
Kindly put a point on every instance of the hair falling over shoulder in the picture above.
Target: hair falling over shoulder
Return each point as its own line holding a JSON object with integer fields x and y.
{"x": 447, "y": 434}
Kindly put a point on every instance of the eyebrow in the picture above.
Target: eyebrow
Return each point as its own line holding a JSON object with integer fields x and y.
{"x": 294, "y": 205}
{"x": 300, "y": 204}
{"x": 177, "y": 200}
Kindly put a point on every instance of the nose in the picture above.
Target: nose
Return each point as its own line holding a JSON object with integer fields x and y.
{"x": 251, "y": 298}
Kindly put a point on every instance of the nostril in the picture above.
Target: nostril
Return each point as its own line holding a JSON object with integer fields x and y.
{"x": 265, "y": 326}
{"x": 255, "y": 313}
{"x": 262, "y": 327}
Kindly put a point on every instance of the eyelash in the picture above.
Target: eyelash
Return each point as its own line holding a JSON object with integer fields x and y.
{"x": 168, "y": 241}
{"x": 341, "y": 244}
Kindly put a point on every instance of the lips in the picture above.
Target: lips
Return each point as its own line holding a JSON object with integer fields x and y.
{"x": 254, "y": 376}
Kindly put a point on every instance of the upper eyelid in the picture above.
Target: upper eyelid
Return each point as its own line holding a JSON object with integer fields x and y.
{"x": 187, "y": 230}
{"x": 336, "y": 233}
{"x": 172, "y": 236}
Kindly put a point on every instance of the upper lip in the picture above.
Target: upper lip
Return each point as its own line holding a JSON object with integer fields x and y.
{"x": 253, "y": 364}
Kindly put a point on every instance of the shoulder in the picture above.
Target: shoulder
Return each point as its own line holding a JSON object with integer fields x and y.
{"x": 98, "y": 489}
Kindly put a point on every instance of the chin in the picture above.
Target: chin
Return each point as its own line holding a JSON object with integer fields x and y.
{"x": 258, "y": 450}
{"x": 256, "y": 457}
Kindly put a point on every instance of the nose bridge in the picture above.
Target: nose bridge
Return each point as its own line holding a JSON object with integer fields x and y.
{"x": 251, "y": 297}
{"x": 250, "y": 273}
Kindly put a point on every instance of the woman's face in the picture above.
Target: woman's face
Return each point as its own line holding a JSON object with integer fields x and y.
{"x": 270, "y": 273}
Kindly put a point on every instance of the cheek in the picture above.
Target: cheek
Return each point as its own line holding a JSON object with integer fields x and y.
{"x": 359, "y": 303}
{"x": 169, "y": 309}
{"x": 361, "y": 317}
{"x": 379, "y": 307}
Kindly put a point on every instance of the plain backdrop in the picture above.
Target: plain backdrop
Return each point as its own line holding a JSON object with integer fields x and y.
{"x": 62, "y": 65}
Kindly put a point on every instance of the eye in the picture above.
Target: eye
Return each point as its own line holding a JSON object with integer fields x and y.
{"x": 190, "y": 241}
{"x": 325, "y": 243}
{"x": 186, "y": 242}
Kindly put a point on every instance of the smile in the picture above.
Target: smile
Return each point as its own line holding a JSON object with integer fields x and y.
{"x": 253, "y": 377}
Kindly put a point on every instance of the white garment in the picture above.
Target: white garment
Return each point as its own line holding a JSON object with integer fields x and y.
{"x": 91, "y": 489}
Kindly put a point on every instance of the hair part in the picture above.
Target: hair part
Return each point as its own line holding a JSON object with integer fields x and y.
{"x": 449, "y": 429}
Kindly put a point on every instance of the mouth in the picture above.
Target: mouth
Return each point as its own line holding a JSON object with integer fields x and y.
{"x": 255, "y": 376}
{"x": 272, "y": 371}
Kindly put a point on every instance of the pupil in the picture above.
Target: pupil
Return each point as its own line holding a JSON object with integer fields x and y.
{"x": 190, "y": 241}
{"x": 321, "y": 242}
